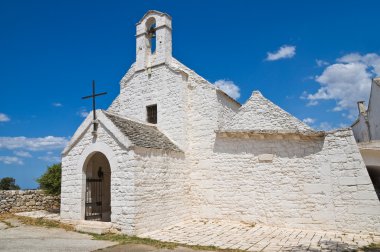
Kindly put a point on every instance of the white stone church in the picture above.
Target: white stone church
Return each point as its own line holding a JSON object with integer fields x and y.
{"x": 173, "y": 147}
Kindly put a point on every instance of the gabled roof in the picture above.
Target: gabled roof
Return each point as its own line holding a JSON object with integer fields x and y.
{"x": 127, "y": 132}
{"x": 177, "y": 66}
{"x": 142, "y": 135}
{"x": 259, "y": 114}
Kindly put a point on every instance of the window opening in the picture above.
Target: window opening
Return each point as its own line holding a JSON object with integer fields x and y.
{"x": 151, "y": 112}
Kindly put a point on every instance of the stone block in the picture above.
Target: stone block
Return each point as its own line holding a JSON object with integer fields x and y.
{"x": 266, "y": 158}
{"x": 367, "y": 210}
{"x": 317, "y": 188}
{"x": 366, "y": 195}
{"x": 363, "y": 180}
{"x": 348, "y": 181}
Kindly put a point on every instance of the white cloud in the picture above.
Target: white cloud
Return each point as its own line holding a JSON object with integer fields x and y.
{"x": 312, "y": 103}
{"x": 33, "y": 144}
{"x": 325, "y": 126}
{"x": 22, "y": 154}
{"x": 4, "y": 118}
{"x": 347, "y": 81}
{"x": 284, "y": 52}
{"x": 309, "y": 120}
{"x": 229, "y": 87}
{"x": 321, "y": 63}
{"x": 50, "y": 158}
{"x": 57, "y": 104}
{"x": 10, "y": 160}
{"x": 343, "y": 125}
{"x": 82, "y": 112}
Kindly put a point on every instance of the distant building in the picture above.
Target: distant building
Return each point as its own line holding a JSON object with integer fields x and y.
{"x": 367, "y": 133}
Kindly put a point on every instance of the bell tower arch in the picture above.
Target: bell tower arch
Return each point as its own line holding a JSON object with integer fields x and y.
{"x": 153, "y": 40}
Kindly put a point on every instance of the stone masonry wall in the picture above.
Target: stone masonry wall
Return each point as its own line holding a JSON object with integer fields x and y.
{"x": 162, "y": 86}
{"x": 313, "y": 184}
{"x": 146, "y": 187}
{"x": 14, "y": 201}
{"x": 317, "y": 184}
{"x": 72, "y": 190}
{"x": 161, "y": 189}
{"x": 73, "y": 177}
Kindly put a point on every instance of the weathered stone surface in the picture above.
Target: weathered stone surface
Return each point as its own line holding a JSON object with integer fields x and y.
{"x": 257, "y": 237}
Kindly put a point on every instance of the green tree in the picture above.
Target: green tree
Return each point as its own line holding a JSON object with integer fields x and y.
{"x": 50, "y": 181}
{"x": 8, "y": 183}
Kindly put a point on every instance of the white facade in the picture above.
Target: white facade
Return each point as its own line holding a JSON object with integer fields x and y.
{"x": 252, "y": 163}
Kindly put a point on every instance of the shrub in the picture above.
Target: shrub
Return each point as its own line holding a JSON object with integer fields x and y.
{"x": 50, "y": 181}
{"x": 8, "y": 183}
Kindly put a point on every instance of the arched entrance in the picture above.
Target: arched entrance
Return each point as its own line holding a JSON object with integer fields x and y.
{"x": 98, "y": 188}
{"x": 374, "y": 173}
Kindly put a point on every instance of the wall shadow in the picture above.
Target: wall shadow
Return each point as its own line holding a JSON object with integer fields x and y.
{"x": 282, "y": 148}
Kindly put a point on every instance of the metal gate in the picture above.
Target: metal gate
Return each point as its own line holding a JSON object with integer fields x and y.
{"x": 93, "y": 205}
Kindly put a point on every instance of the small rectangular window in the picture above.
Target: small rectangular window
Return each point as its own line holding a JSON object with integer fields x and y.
{"x": 151, "y": 112}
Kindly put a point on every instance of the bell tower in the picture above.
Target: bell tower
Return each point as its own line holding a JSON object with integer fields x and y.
{"x": 153, "y": 40}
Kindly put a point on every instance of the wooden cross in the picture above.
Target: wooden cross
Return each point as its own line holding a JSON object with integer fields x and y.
{"x": 93, "y": 103}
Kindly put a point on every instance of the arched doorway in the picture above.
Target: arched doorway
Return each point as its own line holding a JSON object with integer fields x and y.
{"x": 97, "y": 188}
{"x": 374, "y": 173}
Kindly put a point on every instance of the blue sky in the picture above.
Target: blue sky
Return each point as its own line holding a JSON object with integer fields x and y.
{"x": 315, "y": 59}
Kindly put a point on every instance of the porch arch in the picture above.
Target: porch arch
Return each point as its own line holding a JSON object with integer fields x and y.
{"x": 101, "y": 154}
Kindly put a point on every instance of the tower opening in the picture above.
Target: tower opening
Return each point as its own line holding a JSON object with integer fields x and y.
{"x": 151, "y": 34}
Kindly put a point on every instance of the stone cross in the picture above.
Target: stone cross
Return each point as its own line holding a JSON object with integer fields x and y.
{"x": 93, "y": 104}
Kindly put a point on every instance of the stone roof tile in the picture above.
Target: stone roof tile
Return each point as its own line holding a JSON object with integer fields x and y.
{"x": 142, "y": 135}
{"x": 260, "y": 114}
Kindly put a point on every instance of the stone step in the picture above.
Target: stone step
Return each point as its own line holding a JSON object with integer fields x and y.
{"x": 94, "y": 227}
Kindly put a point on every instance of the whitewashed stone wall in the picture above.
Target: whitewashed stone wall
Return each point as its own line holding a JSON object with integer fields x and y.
{"x": 162, "y": 86}
{"x": 303, "y": 184}
{"x": 147, "y": 186}
{"x": 73, "y": 177}
{"x": 161, "y": 189}
{"x": 207, "y": 110}
{"x": 227, "y": 108}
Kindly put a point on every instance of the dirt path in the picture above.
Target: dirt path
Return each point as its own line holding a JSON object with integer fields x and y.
{"x": 15, "y": 236}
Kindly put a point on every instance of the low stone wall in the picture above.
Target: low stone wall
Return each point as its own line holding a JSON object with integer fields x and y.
{"x": 13, "y": 201}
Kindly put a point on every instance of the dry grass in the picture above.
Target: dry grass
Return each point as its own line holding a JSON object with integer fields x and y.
{"x": 372, "y": 247}
{"x": 125, "y": 239}
{"x": 35, "y": 222}
{"x": 44, "y": 223}
{"x": 6, "y": 216}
